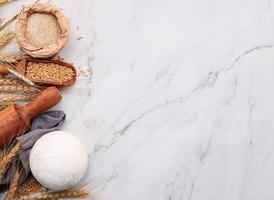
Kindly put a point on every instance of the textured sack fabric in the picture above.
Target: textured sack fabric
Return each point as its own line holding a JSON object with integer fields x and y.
{"x": 42, "y": 124}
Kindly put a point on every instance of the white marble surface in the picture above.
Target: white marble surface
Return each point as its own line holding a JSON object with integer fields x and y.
{"x": 180, "y": 101}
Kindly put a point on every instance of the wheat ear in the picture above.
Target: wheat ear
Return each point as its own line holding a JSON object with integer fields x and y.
{"x": 14, "y": 183}
{"x": 9, "y": 100}
{"x": 7, "y": 158}
{"x": 6, "y": 37}
{"x": 14, "y": 98}
{"x": 9, "y": 81}
{"x": 30, "y": 186}
{"x": 8, "y": 59}
{"x": 62, "y": 194}
{"x": 11, "y": 68}
{"x": 18, "y": 88}
{"x": 13, "y": 58}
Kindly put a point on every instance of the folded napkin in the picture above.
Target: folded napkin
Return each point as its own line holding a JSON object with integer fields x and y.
{"x": 42, "y": 124}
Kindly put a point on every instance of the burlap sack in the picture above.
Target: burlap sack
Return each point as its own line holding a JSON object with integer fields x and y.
{"x": 21, "y": 25}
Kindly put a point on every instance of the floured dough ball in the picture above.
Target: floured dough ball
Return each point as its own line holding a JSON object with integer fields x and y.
{"x": 58, "y": 160}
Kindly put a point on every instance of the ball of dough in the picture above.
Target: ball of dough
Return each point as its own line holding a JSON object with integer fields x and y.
{"x": 58, "y": 160}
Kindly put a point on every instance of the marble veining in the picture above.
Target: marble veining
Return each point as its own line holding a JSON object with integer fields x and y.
{"x": 174, "y": 99}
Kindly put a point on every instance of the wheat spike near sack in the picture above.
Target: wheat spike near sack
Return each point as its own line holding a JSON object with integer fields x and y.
{"x": 5, "y": 38}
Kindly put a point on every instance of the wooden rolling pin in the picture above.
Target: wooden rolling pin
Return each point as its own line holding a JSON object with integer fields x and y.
{"x": 15, "y": 120}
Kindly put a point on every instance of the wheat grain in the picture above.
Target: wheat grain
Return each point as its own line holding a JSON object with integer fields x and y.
{"x": 13, "y": 186}
{"x": 6, "y": 37}
{"x": 49, "y": 72}
{"x": 7, "y": 158}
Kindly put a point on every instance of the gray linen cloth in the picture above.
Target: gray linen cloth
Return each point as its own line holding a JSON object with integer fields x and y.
{"x": 42, "y": 124}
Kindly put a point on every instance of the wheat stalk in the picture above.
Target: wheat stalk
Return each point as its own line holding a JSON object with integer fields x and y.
{"x": 7, "y": 158}
{"x": 2, "y": 2}
{"x": 9, "y": 21}
{"x": 6, "y": 37}
{"x": 13, "y": 186}
{"x": 56, "y": 195}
